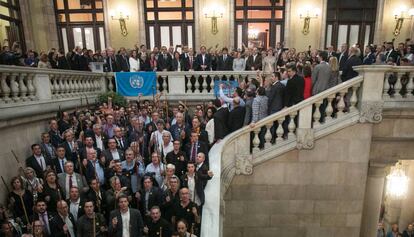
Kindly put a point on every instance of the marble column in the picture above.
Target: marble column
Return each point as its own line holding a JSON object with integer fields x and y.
{"x": 407, "y": 208}
{"x": 373, "y": 199}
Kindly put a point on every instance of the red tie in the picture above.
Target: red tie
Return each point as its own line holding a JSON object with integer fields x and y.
{"x": 70, "y": 182}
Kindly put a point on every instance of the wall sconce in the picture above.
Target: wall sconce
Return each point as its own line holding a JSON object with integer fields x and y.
{"x": 213, "y": 12}
{"x": 122, "y": 15}
{"x": 400, "y": 14}
{"x": 307, "y": 14}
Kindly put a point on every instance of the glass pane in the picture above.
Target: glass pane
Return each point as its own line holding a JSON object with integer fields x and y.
{"x": 176, "y": 32}
{"x": 353, "y": 34}
{"x": 239, "y": 3}
{"x": 152, "y": 37}
{"x": 188, "y": 3}
{"x": 170, "y": 16}
{"x": 60, "y": 5}
{"x": 239, "y": 14}
{"x": 62, "y": 18}
{"x": 189, "y": 15}
{"x": 165, "y": 36}
{"x": 4, "y": 11}
{"x": 79, "y": 4}
{"x": 190, "y": 36}
{"x": 342, "y": 34}
{"x": 259, "y": 14}
{"x": 77, "y": 37}
{"x": 259, "y": 3}
{"x": 65, "y": 40}
{"x": 278, "y": 14}
{"x": 367, "y": 34}
{"x": 90, "y": 43}
{"x": 278, "y": 33}
{"x": 98, "y": 4}
{"x": 81, "y": 17}
{"x": 99, "y": 17}
{"x": 163, "y": 3}
{"x": 279, "y": 3}
{"x": 239, "y": 36}
{"x": 258, "y": 35}
{"x": 102, "y": 38}
{"x": 329, "y": 36}
{"x": 150, "y": 4}
{"x": 150, "y": 16}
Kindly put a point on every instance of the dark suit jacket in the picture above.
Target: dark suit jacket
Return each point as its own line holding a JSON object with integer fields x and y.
{"x": 155, "y": 198}
{"x": 220, "y": 123}
{"x": 57, "y": 223}
{"x": 257, "y": 63}
{"x": 225, "y": 65}
{"x": 45, "y": 151}
{"x": 164, "y": 63}
{"x": 174, "y": 65}
{"x": 348, "y": 72}
{"x": 202, "y": 173}
{"x": 276, "y": 95}
{"x": 342, "y": 60}
{"x": 111, "y": 65}
{"x": 56, "y": 165}
{"x": 55, "y": 139}
{"x": 392, "y": 54}
{"x": 201, "y": 147}
{"x": 81, "y": 211}
{"x": 198, "y": 186}
{"x": 32, "y": 162}
{"x": 236, "y": 118}
{"x": 135, "y": 223}
{"x": 122, "y": 62}
{"x": 108, "y": 156}
{"x": 369, "y": 59}
{"x": 145, "y": 65}
{"x": 118, "y": 143}
{"x": 69, "y": 154}
{"x": 294, "y": 90}
{"x": 100, "y": 204}
{"x": 199, "y": 62}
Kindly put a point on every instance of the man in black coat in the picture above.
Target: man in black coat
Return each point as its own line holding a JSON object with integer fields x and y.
{"x": 149, "y": 196}
{"x": 353, "y": 60}
{"x": 203, "y": 60}
{"x": 124, "y": 213}
{"x": 343, "y": 56}
{"x": 391, "y": 53}
{"x": 164, "y": 62}
{"x": 110, "y": 61}
{"x": 220, "y": 121}
{"x": 254, "y": 62}
{"x": 37, "y": 161}
{"x": 64, "y": 223}
{"x": 122, "y": 60}
{"x": 236, "y": 116}
{"x": 294, "y": 87}
{"x": 276, "y": 94}
{"x": 225, "y": 61}
{"x": 194, "y": 147}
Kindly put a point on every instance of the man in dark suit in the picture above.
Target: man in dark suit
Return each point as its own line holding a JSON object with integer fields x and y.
{"x": 98, "y": 196}
{"x": 189, "y": 63}
{"x": 202, "y": 169}
{"x": 164, "y": 61}
{"x": 194, "y": 147}
{"x": 89, "y": 144}
{"x": 110, "y": 61}
{"x": 157, "y": 225}
{"x": 122, "y": 60}
{"x": 236, "y": 116}
{"x": 37, "y": 161}
{"x": 203, "y": 60}
{"x": 220, "y": 120}
{"x": 112, "y": 153}
{"x": 43, "y": 215}
{"x": 294, "y": 87}
{"x": 149, "y": 196}
{"x": 76, "y": 203}
{"x": 225, "y": 61}
{"x": 59, "y": 162}
{"x": 196, "y": 127}
{"x": 254, "y": 62}
{"x": 342, "y": 56}
{"x": 71, "y": 146}
{"x": 353, "y": 60}
{"x": 369, "y": 55}
{"x": 121, "y": 141}
{"x": 100, "y": 139}
{"x": 63, "y": 224}
{"x": 54, "y": 133}
{"x": 192, "y": 174}
{"x": 391, "y": 53}
{"x": 124, "y": 213}
{"x": 276, "y": 94}
{"x": 48, "y": 150}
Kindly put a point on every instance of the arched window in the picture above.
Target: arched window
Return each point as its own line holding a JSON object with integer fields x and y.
{"x": 350, "y": 22}
{"x": 80, "y": 23}
{"x": 259, "y": 23}
{"x": 11, "y": 31}
{"x": 169, "y": 23}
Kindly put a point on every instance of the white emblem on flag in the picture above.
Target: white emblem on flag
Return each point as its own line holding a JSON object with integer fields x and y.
{"x": 136, "y": 81}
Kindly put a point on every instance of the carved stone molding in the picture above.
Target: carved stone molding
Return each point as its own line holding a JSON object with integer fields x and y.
{"x": 371, "y": 111}
{"x": 305, "y": 138}
{"x": 244, "y": 165}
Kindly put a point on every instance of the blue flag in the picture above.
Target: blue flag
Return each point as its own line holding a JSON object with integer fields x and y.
{"x": 228, "y": 88}
{"x": 135, "y": 83}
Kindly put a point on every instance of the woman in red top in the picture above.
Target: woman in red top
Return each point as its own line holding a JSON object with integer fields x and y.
{"x": 307, "y": 74}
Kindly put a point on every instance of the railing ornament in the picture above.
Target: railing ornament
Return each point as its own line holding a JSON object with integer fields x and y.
{"x": 244, "y": 165}
{"x": 371, "y": 111}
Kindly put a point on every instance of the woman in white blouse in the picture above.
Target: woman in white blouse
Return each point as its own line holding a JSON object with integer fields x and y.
{"x": 134, "y": 62}
{"x": 239, "y": 64}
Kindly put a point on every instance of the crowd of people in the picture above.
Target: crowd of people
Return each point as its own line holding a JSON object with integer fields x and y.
{"x": 394, "y": 231}
{"x": 142, "y": 169}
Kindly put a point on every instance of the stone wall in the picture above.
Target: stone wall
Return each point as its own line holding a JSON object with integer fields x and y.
{"x": 317, "y": 192}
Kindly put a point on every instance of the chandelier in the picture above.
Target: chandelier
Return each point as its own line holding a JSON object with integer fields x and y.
{"x": 253, "y": 33}
{"x": 397, "y": 182}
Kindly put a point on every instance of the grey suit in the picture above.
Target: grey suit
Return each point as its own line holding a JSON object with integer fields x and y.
{"x": 135, "y": 223}
{"x": 321, "y": 76}
{"x": 248, "y": 115}
{"x": 108, "y": 156}
{"x": 80, "y": 180}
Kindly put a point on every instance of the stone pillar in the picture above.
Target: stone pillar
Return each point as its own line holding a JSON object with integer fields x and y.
{"x": 287, "y": 22}
{"x": 407, "y": 208}
{"x": 378, "y": 23}
{"x": 373, "y": 199}
{"x": 176, "y": 84}
{"x": 323, "y": 23}
{"x": 43, "y": 86}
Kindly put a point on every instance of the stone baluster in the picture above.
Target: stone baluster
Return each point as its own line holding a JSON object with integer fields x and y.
{"x": 292, "y": 125}
{"x": 188, "y": 83}
{"x": 341, "y": 104}
{"x": 71, "y": 86}
{"x": 201, "y": 87}
{"x": 354, "y": 98}
{"x": 22, "y": 87}
{"x": 80, "y": 86}
{"x": 256, "y": 141}
{"x": 317, "y": 114}
{"x": 14, "y": 86}
{"x": 329, "y": 108}
{"x": 93, "y": 84}
{"x": 82, "y": 80}
{"x": 60, "y": 87}
{"x": 110, "y": 84}
{"x": 410, "y": 85}
{"x": 68, "y": 86}
{"x": 97, "y": 84}
{"x": 386, "y": 85}
{"x": 75, "y": 86}
{"x": 398, "y": 85}
{"x": 30, "y": 86}
{"x": 5, "y": 89}
{"x": 268, "y": 136}
{"x": 52, "y": 86}
{"x": 164, "y": 84}
{"x": 87, "y": 86}
{"x": 197, "y": 84}
{"x": 279, "y": 130}
{"x": 157, "y": 85}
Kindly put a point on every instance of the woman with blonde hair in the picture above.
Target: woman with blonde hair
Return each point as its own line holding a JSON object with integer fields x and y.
{"x": 335, "y": 78}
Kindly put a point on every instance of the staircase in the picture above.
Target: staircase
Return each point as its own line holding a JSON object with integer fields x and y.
{"x": 375, "y": 89}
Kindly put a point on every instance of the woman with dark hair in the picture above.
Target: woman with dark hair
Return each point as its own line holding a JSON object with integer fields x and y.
{"x": 307, "y": 76}
{"x": 20, "y": 200}
{"x": 51, "y": 191}
{"x": 177, "y": 64}
{"x": 134, "y": 62}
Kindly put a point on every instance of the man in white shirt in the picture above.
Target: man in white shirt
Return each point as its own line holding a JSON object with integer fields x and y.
{"x": 64, "y": 223}
{"x": 125, "y": 221}
{"x": 37, "y": 161}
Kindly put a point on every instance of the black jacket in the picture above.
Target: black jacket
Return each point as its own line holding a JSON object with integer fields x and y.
{"x": 236, "y": 118}
{"x": 220, "y": 123}
{"x": 226, "y": 65}
{"x": 275, "y": 94}
{"x": 348, "y": 72}
{"x": 57, "y": 223}
{"x": 294, "y": 90}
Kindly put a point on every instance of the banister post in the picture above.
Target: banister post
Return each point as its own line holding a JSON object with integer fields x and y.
{"x": 304, "y": 131}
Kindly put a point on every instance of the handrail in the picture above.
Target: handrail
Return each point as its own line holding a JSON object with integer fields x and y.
{"x": 20, "y": 69}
